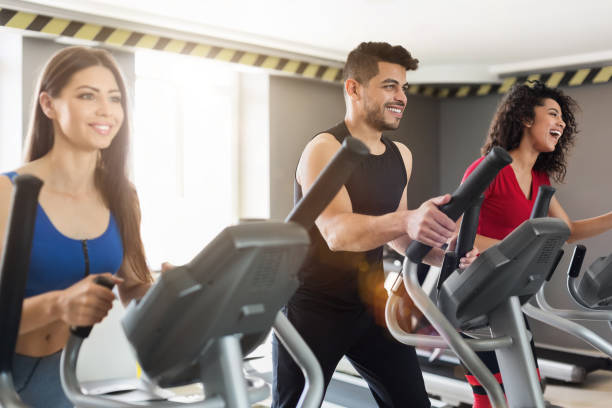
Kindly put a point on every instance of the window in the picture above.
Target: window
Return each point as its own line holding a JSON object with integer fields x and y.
{"x": 184, "y": 153}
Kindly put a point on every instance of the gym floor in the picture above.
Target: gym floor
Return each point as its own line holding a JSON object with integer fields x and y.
{"x": 595, "y": 392}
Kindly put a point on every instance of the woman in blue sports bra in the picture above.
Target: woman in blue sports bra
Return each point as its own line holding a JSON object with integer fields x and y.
{"x": 88, "y": 220}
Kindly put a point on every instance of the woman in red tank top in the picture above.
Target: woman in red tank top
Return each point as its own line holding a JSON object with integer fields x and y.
{"x": 536, "y": 125}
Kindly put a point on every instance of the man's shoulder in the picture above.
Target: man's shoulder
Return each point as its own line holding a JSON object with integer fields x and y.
{"x": 404, "y": 151}
{"x": 402, "y": 147}
{"x": 323, "y": 141}
{"x": 319, "y": 149}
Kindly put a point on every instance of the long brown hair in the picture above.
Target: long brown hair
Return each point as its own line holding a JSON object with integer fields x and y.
{"x": 111, "y": 172}
{"x": 516, "y": 108}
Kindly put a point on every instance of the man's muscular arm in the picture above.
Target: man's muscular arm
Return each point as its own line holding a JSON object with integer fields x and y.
{"x": 400, "y": 244}
{"x": 344, "y": 230}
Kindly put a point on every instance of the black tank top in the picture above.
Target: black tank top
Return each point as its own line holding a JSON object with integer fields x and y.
{"x": 349, "y": 278}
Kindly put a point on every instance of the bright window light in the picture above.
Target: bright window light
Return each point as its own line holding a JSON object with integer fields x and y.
{"x": 184, "y": 152}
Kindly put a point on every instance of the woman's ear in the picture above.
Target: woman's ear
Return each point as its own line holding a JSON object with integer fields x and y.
{"x": 46, "y": 104}
{"x": 527, "y": 123}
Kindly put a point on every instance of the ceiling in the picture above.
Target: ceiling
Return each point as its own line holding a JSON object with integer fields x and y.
{"x": 456, "y": 41}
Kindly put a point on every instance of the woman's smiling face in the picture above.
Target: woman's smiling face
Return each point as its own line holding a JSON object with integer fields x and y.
{"x": 547, "y": 126}
{"x": 88, "y": 111}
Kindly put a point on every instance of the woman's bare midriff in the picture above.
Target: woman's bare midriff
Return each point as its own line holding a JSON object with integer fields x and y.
{"x": 44, "y": 341}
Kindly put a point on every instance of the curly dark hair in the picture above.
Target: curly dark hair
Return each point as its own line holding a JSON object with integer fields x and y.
{"x": 362, "y": 62}
{"x": 516, "y": 108}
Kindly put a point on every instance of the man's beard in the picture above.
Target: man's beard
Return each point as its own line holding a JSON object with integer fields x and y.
{"x": 375, "y": 118}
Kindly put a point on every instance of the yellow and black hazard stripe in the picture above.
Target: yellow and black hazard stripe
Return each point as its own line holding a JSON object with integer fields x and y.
{"x": 575, "y": 77}
{"x": 118, "y": 37}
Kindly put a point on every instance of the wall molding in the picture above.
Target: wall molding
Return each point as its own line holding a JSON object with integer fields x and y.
{"x": 120, "y": 34}
{"x": 92, "y": 30}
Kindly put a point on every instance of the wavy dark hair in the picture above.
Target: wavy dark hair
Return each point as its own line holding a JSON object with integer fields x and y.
{"x": 111, "y": 173}
{"x": 362, "y": 62}
{"x": 516, "y": 108}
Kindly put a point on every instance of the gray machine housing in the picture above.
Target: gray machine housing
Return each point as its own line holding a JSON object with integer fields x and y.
{"x": 595, "y": 287}
{"x": 266, "y": 255}
{"x": 517, "y": 266}
{"x": 492, "y": 290}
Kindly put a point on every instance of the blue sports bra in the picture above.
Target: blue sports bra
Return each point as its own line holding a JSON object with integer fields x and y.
{"x": 57, "y": 261}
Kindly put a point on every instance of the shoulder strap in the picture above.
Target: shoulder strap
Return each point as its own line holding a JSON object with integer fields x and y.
{"x": 11, "y": 175}
{"x": 340, "y": 132}
{"x": 398, "y": 155}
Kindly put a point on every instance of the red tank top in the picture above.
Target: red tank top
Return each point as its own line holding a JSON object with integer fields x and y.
{"x": 505, "y": 206}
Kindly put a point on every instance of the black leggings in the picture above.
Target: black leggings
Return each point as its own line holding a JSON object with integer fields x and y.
{"x": 390, "y": 368}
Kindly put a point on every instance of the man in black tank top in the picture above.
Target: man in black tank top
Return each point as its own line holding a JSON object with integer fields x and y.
{"x": 339, "y": 307}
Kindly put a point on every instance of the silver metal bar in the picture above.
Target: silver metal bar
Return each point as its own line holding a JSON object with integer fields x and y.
{"x": 8, "y": 397}
{"x": 573, "y": 328}
{"x": 555, "y": 370}
{"x": 450, "y": 390}
{"x": 516, "y": 363}
{"x": 312, "y": 395}
{"x": 584, "y": 314}
{"x": 559, "y": 370}
{"x": 232, "y": 385}
{"x": 448, "y": 332}
{"x": 76, "y": 395}
{"x": 422, "y": 340}
{"x": 70, "y": 383}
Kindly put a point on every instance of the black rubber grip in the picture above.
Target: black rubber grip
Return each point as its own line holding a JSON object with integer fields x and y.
{"x": 468, "y": 229}
{"x": 329, "y": 182}
{"x": 448, "y": 266}
{"x": 542, "y": 202}
{"x": 15, "y": 260}
{"x": 84, "y": 331}
{"x": 576, "y": 262}
{"x": 466, "y": 194}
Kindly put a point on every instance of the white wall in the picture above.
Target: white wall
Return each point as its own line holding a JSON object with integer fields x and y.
{"x": 299, "y": 109}
{"x": 11, "y": 130}
{"x": 254, "y": 146}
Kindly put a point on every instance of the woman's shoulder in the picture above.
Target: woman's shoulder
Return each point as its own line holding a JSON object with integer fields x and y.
{"x": 542, "y": 177}
{"x": 6, "y": 182}
{"x": 6, "y": 191}
{"x": 7, "y": 177}
{"x": 472, "y": 167}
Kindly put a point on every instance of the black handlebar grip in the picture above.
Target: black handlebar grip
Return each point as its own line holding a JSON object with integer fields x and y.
{"x": 467, "y": 231}
{"x": 16, "y": 263}
{"x": 448, "y": 267}
{"x": 84, "y": 331}
{"x": 542, "y": 202}
{"x": 466, "y": 194}
{"x": 329, "y": 182}
{"x": 576, "y": 262}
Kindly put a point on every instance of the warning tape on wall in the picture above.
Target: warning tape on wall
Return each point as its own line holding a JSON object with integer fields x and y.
{"x": 125, "y": 38}
{"x": 559, "y": 78}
